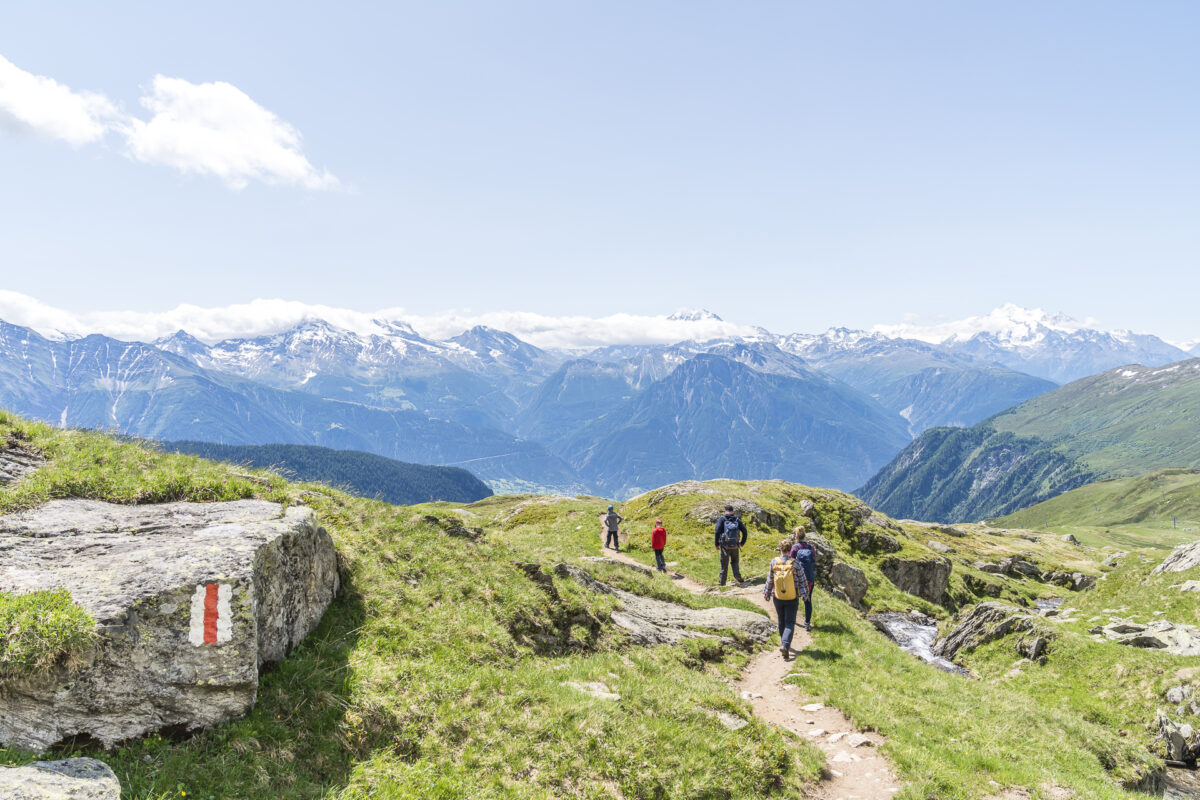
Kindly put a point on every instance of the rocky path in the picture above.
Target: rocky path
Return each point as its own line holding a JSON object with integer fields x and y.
{"x": 855, "y": 768}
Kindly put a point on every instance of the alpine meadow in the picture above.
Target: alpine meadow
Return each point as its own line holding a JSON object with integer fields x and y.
{"x": 670, "y": 401}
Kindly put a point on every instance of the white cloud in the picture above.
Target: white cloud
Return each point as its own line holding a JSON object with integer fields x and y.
{"x": 51, "y": 109}
{"x": 197, "y": 128}
{"x": 578, "y": 331}
{"x": 217, "y": 129}
{"x": 267, "y": 316}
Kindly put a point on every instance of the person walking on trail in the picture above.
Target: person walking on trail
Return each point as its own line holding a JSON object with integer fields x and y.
{"x": 658, "y": 540}
{"x": 612, "y": 524}
{"x": 786, "y": 585}
{"x": 729, "y": 536}
{"x": 806, "y": 556}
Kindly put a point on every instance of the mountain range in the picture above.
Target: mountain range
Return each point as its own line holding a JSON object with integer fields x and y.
{"x": 826, "y": 409}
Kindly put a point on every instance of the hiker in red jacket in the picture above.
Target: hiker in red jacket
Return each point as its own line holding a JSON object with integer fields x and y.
{"x": 658, "y": 540}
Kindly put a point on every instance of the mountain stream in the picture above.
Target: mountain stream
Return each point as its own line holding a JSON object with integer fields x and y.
{"x": 915, "y": 633}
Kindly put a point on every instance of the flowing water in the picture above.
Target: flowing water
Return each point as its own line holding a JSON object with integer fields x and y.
{"x": 1182, "y": 784}
{"x": 915, "y": 633}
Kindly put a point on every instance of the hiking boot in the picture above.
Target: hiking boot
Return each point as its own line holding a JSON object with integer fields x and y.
{"x": 784, "y": 651}
{"x": 807, "y": 626}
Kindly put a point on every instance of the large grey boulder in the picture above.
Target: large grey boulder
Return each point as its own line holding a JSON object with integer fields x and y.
{"x": 190, "y": 601}
{"x": 16, "y": 463}
{"x": 985, "y": 623}
{"x": 72, "y": 779}
{"x": 925, "y": 578}
{"x": 651, "y": 621}
{"x": 1174, "y": 638}
{"x": 1182, "y": 558}
{"x": 851, "y": 581}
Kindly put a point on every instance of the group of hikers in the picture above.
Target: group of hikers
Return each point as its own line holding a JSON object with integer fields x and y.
{"x": 790, "y": 575}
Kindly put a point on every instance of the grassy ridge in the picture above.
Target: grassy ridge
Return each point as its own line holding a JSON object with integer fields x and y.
{"x": 1156, "y": 511}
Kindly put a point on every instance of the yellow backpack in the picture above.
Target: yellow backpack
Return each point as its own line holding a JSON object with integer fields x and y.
{"x": 784, "y": 575}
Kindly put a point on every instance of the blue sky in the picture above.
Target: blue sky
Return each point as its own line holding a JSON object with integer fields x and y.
{"x": 794, "y": 164}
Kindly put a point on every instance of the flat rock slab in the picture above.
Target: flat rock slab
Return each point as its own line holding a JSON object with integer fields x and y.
{"x": 72, "y": 779}
{"x": 651, "y": 621}
{"x": 190, "y": 601}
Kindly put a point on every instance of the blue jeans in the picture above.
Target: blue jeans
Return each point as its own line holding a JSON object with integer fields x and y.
{"x": 659, "y": 560}
{"x": 611, "y": 541}
{"x": 786, "y": 611}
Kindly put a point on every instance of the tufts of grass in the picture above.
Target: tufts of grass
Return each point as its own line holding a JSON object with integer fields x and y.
{"x": 90, "y": 465}
{"x": 40, "y": 631}
{"x": 950, "y": 737}
{"x": 449, "y": 666}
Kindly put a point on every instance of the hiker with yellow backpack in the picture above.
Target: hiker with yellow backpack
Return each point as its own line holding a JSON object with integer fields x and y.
{"x": 787, "y": 586}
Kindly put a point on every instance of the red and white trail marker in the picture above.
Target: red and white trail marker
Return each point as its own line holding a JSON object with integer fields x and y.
{"x": 212, "y": 621}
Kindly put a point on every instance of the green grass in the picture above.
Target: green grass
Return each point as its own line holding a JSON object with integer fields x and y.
{"x": 40, "y": 631}
{"x": 443, "y": 671}
{"x": 949, "y": 737}
{"x": 1154, "y": 512}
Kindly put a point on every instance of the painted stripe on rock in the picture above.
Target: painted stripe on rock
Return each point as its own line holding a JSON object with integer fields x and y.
{"x": 211, "y": 619}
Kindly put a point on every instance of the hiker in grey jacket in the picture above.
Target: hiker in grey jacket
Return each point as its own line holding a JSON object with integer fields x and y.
{"x": 612, "y": 524}
{"x": 729, "y": 536}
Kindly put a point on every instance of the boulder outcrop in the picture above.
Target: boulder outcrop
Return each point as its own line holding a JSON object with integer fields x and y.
{"x": 925, "y": 578}
{"x": 1182, "y": 558}
{"x": 985, "y": 623}
{"x": 651, "y": 621}
{"x": 71, "y": 779}
{"x": 850, "y": 581}
{"x": 190, "y": 600}
{"x": 1177, "y": 639}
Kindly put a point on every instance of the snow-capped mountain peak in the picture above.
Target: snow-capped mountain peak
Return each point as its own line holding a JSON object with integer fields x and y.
{"x": 1010, "y": 323}
{"x": 694, "y": 315}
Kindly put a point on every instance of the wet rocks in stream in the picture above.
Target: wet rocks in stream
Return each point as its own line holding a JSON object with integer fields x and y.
{"x": 914, "y": 633}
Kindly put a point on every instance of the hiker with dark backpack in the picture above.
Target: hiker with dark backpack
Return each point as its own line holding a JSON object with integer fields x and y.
{"x": 806, "y": 556}
{"x": 612, "y": 524}
{"x": 729, "y": 537}
{"x": 786, "y": 585}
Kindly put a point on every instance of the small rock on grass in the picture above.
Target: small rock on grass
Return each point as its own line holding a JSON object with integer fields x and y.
{"x": 812, "y": 707}
{"x": 734, "y": 723}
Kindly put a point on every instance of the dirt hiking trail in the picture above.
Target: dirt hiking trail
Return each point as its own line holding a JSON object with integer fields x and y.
{"x": 855, "y": 769}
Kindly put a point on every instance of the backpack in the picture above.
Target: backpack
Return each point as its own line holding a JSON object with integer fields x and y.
{"x": 784, "y": 575}
{"x": 730, "y": 536}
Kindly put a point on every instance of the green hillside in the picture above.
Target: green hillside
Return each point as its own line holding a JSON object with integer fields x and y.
{"x": 444, "y": 670}
{"x": 1157, "y": 511}
{"x": 360, "y": 473}
{"x": 1122, "y": 423}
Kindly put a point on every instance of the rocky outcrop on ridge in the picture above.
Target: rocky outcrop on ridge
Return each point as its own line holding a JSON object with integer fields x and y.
{"x": 651, "y": 621}
{"x": 1170, "y": 637}
{"x": 190, "y": 600}
{"x": 1182, "y": 558}
{"x": 72, "y": 779}
{"x": 16, "y": 463}
{"x": 925, "y": 578}
{"x": 985, "y": 623}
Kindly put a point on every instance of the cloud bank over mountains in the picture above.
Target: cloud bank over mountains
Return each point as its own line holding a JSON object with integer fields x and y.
{"x": 263, "y": 317}
{"x": 211, "y": 129}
